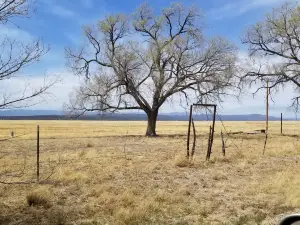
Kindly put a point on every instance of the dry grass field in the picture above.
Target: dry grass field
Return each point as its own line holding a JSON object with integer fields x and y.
{"x": 109, "y": 173}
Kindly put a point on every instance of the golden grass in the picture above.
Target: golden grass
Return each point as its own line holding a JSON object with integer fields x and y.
{"x": 39, "y": 197}
{"x": 98, "y": 179}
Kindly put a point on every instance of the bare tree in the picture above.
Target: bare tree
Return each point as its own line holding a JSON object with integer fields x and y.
{"x": 140, "y": 62}
{"x": 14, "y": 8}
{"x": 15, "y": 56}
{"x": 275, "y": 41}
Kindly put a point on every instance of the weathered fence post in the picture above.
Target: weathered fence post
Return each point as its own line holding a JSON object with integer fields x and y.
{"x": 194, "y": 142}
{"x": 281, "y": 124}
{"x": 209, "y": 144}
{"x": 223, "y": 144}
{"x": 212, "y": 130}
{"x": 38, "y": 154}
{"x": 189, "y": 133}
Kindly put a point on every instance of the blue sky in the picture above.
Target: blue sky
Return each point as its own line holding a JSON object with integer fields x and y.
{"x": 59, "y": 23}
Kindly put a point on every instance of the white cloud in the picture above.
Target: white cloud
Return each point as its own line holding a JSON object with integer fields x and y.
{"x": 247, "y": 103}
{"x": 15, "y": 33}
{"x": 237, "y": 8}
{"x": 256, "y": 104}
{"x": 60, "y": 92}
{"x": 62, "y": 12}
{"x": 55, "y": 8}
{"x": 56, "y": 96}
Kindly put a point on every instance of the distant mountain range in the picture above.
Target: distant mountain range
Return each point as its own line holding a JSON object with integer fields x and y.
{"x": 59, "y": 115}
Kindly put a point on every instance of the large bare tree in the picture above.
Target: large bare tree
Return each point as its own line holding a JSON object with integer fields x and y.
{"x": 15, "y": 56}
{"x": 141, "y": 61}
{"x": 275, "y": 41}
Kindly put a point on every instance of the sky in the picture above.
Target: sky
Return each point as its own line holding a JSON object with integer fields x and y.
{"x": 59, "y": 23}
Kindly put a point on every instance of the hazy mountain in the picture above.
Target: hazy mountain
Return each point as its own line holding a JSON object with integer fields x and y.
{"x": 25, "y": 112}
{"x": 181, "y": 116}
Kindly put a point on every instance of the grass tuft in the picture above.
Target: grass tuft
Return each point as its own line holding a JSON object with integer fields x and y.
{"x": 131, "y": 216}
{"x": 89, "y": 145}
{"x": 39, "y": 197}
{"x": 182, "y": 161}
{"x": 57, "y": 217}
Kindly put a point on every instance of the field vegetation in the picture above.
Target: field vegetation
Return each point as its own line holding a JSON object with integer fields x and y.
{"x": 110, "y": 173}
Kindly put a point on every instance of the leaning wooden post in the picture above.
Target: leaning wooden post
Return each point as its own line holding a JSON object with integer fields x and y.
{"x": 194, "y": 142}
{"x": 281, "y": 124}
{"x": 38, "y": 154}
{"x": 209, "y": 143}
{"x": 212, "y": 130}
{"x": 189, "y": 133}
{"x": 223, "y": 144}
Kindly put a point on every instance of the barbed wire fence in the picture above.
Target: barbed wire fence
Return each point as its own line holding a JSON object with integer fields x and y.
{"x": 15, "y": 165}
{"x": 14, "y": 172}
{"x": 228, "y": 137}
{"x": 18, "y": 170}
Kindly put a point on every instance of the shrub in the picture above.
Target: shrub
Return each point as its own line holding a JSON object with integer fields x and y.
{"x": 39, "y": 197}
{"x": 182, "y": 161}
{"x": 89, "y": 145}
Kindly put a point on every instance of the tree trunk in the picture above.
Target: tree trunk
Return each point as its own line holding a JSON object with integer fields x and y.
{"x": 151, "y": 127}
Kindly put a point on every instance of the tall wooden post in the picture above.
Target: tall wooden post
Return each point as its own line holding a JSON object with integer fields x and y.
{"x": 189, "y": 133}
{"x": 214, "y": 123}
{"x": 38, "y": 154}
{"x": 209, "y": 144}
{"x": 281, "y": 124}
{"x": 267, "y": 108}
{"x": 223, "y": 144}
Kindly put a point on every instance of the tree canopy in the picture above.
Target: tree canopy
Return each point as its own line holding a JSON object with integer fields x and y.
{"x": 276, "y": 41}
{"x": 15, "y": 56}
{"x": 140, "y": 61}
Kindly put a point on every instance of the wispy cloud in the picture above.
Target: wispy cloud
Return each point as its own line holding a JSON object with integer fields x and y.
{"x": 238, "y": 8}
{"x": 56, "y": 96}
{"x": 56, "y": 8}
{"x": 61, "y": 11}
{"x": 15, "y": 33}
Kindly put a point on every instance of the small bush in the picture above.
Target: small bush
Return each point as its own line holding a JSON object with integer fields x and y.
{"x": 89, "y": 145}
{"x": 182, "y": 161}
{"x": 39, "y": 197}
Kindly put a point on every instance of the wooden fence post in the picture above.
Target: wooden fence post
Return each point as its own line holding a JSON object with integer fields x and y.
{"x": 38, "y": 154}
{"x": 194, "y": 142}
{"x": 189, "y": 133}
{"x": 281, "y": 124}
{"x": 223, "y": 144}
{"x": 209, "y": 144}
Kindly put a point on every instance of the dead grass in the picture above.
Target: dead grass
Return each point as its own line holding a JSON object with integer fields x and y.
{"x": 39, "y": 197}
{"x": 95, "y": 182}
{"x": 182, "y": 161}
{"x": 89, "y": 145}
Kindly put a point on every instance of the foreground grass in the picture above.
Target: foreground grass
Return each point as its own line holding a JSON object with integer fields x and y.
{"x": 105, "y": 173}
